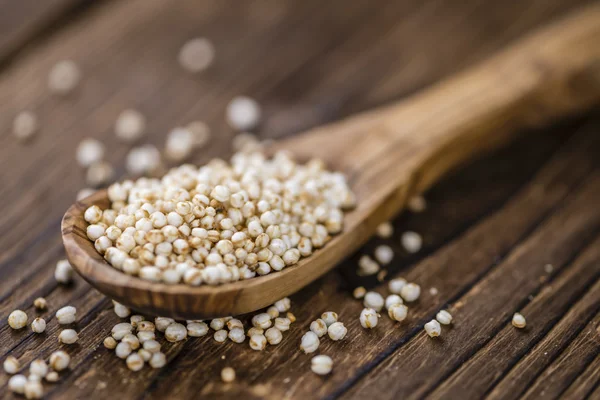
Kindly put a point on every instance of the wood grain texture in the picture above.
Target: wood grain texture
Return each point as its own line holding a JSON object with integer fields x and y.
{"x": 307, "y": 63}
{"x": 386, "y": 165}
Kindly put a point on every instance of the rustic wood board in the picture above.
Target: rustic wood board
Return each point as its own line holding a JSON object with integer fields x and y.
{"x": 488, "y": 231}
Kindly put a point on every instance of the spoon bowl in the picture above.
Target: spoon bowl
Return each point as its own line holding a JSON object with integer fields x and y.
{"x": 388, "y": 155}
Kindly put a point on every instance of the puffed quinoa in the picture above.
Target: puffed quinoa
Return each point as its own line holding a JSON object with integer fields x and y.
{"x": 222, "y": 222}
{"x": 217, "y": 324}
{"x": 518, "y": 321}
{"x": 121, "y": 310}
{"x": 367, "y": 266}
{"x": 83, "y": 193}
{"x": 134, "y": 362}
{"x": 25, "y": 125}
{"x": 369, "y": 318}
{"x": 68, "y": 336}
{"x": 373, "y": 300}
{"x": 444, "y": 317}
{"x": 392, "y": 299}
{"x": 385, "y": 230}
{"x": 143, "y": 160}
{"x": 234, "y": 323}
{"x": 16, "y": 384}
{"x": 417, "y": 204}
{"x": 398, "y": 312}
{"x": 384, "y": 254}
{"x": 220, "y": 335}
{"x": 396, "y": 285}
{"x": 145, "y": 354}
{"x": 132, "y": 340}
{"x": 110, "y": 343}
{"x": 237, "y": 335}
{"x": 262, "y": 321}
{"x": 309, "y": 342}
{"x": 120, "y": 330}
{"x": 319, "y": 327}
{"x": 33, "y": 389}
{"x": 283, "y": 305}
{"x": 273, "y": 312}
{"x": 359, "y": 292}
{"x": 337, "y": 331}
{"x": 52, "y": 376}
{"x": 196, "y": 55}
{"x": 175, "y": 332}
{"x": 410, "y": 292}
{"x": 39, "y": 368}
{"x": 254, "y": 331}
{"x": 11, "y": 365}
{"x": 411, "y": 241}
{"x": 40, "y": 303}
{"x": 321, "y": 364}
{"x": 66, "y": 315}
{"x": 158, "y": 360}
{"x": 162, "y": 323}
{"x": 197, "y": 329}
{"x": 64, "y": 272}
{"x": 433, "y": 328}
{"x": 38, "y": 325}
{"x": 282, "y": 324}
{"x": 123, "y": 350}
{"x": 63, "y": 77}
{"x": 152, "y": 346}
{"x": 144, "y": 336}
{"x": 228, "y": 375}
{"x": 99, "y": 173}
{"x": 243, "y": 113}
{"x": 134, "y": 320}
{"x": 17, "y": 319}
{"x": 146, "y": 326}
{"x": 258, "y": 342}
{"x": 130, "y": 125}
{"x": 291, "y": 317}
{"x": 89, "y": 151}
{"x": 329, "y": 317}
{"x": 274, "y": 336}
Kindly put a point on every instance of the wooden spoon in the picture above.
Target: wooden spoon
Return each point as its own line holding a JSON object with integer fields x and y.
{"x": 388, "y": 154}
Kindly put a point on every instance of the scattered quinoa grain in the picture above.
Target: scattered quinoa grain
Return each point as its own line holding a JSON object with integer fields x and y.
{"x": 130, "y": 125}
{"x": 11, "y": 365}
{"x": 17, "y": 319}
{"x": 197, "y": 329}
{"x": 329, "y": 317}
{"x": 417, "y": 204}
{"x": 243, "y": 113}
{"x": 410, "y": 292}
{"x": 89, "y": 151}
{"x": 110, "y": 343}
{"x": 99, "y": 173}
{"x": 63, "y": 77}
{"x": 258, "y": 342}
{"x": 385, "y": 230}
{"x": 52, "y": 376}
{"x": 273, "y": 312}
{"x": 384, "y": 254}
{"x": 274, "y": 336}
{"x": 39, "y": 368}
{"x": 175, "y": 332}
{"x": 16, "y": 384}
{"x": 444, "y": 317}
{"x": 398, "y": 312}
{"x": 396, "y": 285}
{"x": 66, "y": 315}
{"x": 283, "y": 305}
{"x": 309, "y": 342}
{"x": 254, "y": 331}
{"x": 120, "y": 330}
{"x": 25, "y": 125}
{"x": 228, "y": 375}
{"x": 33, "y": 389}
{"x": 433, "y": 328}
{"x": 237, "y": 335}
{"x": 291, "y": 317}
{"x": 319, "y": 327}
{"x": 282, "y": 324}
{"x": 152, "y": 346}
{"x": 373, "y": 300}
{"x": 145, "y": 354}
{"x": 121, "y": 310}
{"x": 392, "y": 299}
{"x": 518, "y": 321}
{"x": 262, "y": 320}
{"x": 134, "y": 362}
{"x": 132, "y": 340}
{"x": 367, "y": 266}
{"x": 337, "y": 331}
{"x": 411, "y": 241}
{"x": 161, "y": 323}
{"x": 321, "y": 364}
{"x": 123, "y": 350}
{"x": 38, "y": 325}
{"x": 63, "y": 272}
{"x": 220, "y": 335}
{"x": 359, "y": 292}
{"x": 217, "y": 324}
{"x": 196, "y": 55}
{"x": 143, "y": 160}
{"x": 40, "y": 303}
{"x": 369, "y": 318}
{"x": 158, "y": 360}
{"x": 68, "y": 336}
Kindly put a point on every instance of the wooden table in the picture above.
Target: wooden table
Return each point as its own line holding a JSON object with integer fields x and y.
{"x": 489, "y": 230}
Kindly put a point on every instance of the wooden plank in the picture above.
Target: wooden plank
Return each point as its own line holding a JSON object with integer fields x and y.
{"x": 23, "y": 21}
{"x": 582, "y": 387}
{"x": 303, "y": 75}
{"x": 546, "y": 335}
{"x": 564, "y": 371}
{"x": 487, "y": 306}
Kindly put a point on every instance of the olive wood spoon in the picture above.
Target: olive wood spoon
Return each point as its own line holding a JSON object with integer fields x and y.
{"x": 388, "y": 155}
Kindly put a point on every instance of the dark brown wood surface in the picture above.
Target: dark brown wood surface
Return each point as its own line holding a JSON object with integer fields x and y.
{"x": 489, "y": 229}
